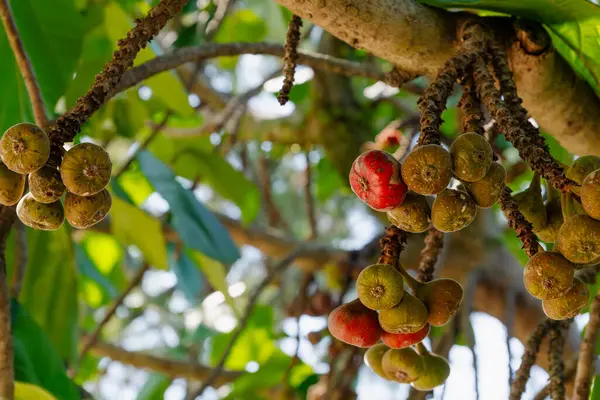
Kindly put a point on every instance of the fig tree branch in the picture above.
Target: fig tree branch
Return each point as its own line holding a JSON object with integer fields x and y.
{"x": 20, "y": 263}
{"x": 31, "y": 83}
{"x": 7, "y": 385}
{"x": 587, "y": 353}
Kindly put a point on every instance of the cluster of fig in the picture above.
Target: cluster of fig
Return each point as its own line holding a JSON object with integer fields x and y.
{"x": 84, "y": 173}
{"x": 572, "y": 223}
{"x": 385, "y": 311}
{"x": 385, "y": 185}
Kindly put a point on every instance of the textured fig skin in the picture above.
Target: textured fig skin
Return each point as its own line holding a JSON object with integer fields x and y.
{"x": 380, "y": 286}
{"x": 46, "y": 185}
{"x": 436, "y": 371}
{"x": 427, "y": 169}
{"x": 408, "y": 316}
{"x": 84, "y": 212}
{"x": 486, "y": 191}
{"x": 413, "y": 215}
{"x": 40, "y": 216}
{"x": 578, "y": 239}
{"x": 374, "y": 357}
{"x": 590, "y": 194}
{"x": 553, "y": 223}
{"x": 452, "y": 210}
{"x": 24, "y": 148}
{"x": 403, "y": 340}
{"x": 12, "y": 186}
{"x": 569, "y": 305}
{"x": 402, "y": 365}
{"x": 375, "y": 178}
{"x": 443, "y": 298}
{"x": 548, "y": 275}
{"x": 354, "y": 324}
{"x": 85, "y": 169}
{"x": 582, "y": 167}
{"x": 472, "y": 157}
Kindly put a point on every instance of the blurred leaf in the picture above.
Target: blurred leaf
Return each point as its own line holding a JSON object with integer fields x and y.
{"x": 129, "y": 114}
{"x": 328, "y": 180}
{"x": 90, "y": 275}
{"x": 49, "y": 292}
{"x": 135, "y": 185}
{"x": 214, "y": 272}
{"x": 154, "y": 388}
{"x": 26, "y": 391}
{"x": 189, "y": 279}
{"x": 132, "y": 226}
{"x": 36, "y": 361}
{"x": 595, "y": 394}
{"x": 450, "y": 125}
{"x": 242, "y": 25}
{"x": 558, "y": 152}
{"x": 197, "y": 227}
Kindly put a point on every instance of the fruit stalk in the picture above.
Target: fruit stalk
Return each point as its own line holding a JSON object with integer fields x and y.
{"x": 518, "y": 223}
{"x": 391, "y": 245}
{"x": 434, "y": 242}
{"x": 587, "y": 353}
{"x": 470, "y": 107}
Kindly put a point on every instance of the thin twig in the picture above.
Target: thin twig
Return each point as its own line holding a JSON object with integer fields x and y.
{"x": 20, "y": 263}
{"x": 309, "y": 199}
{"x": 569, "y": 373}
{"x": 31, "y": 83}
{"x": 7, "y": 218}
{"x": 273, "y": 273}
{"x": 430, "y": 253}
{"x": 587, "y": 353}
{"x": 91, "y": 339}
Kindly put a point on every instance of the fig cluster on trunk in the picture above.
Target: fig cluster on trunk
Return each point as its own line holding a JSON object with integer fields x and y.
{"x": 83, "y": 174}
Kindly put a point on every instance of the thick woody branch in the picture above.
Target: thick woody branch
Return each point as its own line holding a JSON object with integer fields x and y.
{"x": 7, "y": 217}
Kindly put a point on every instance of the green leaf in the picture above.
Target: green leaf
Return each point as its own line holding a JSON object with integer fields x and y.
{"x": 243, "y": 25}
{"x": 557, "y": 150}
{"x": 16, "y": 106}
{"x": 36, "y": 361}
{"x": 154, "y": 388}
{"x": 49, "y": 292}
{"x": 132, "y": 226}
{"x": 134, "y": 185}
{"x": 214, "y": 272}
{"x": 595, "y": 394}
{"x": 197, "y": 227}
{"x": 129, "y": 114}
{"x": 26, "y": 391}
{"x": 96, "y": 289}
{"x": 328, "y": 180}
{"x": 189, "y": 279}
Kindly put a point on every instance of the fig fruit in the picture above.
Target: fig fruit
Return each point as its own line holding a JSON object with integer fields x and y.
{"x": 554, "y": 220}
{"x": 380, "y": 286}
{"x": 374, "y": 357}
{"x": 36, "y": 215}
{"x": 590, "y": 194}
{"x": 472, "y": 157}
{"x": 413, "y": 215}
{"x": 486, "y": 191}
{"x": 582, "y": 167}
{"x": 570, "y": 304}
{"x": 85, "y": 169}
{"x": 548, "y": 275}
{"x": 46, "y": 185}
{"x": 84, "y": 212}
{"x": 531, "y": 203}
{"x": 354, "y": 324}
{"x": 402, "y": 365}
{"x": 402, "y": 340}
{"x": 452, "y": 211}
{"x": 12, "y": 186}
{"x": 436, "y": 371}
{"x": 442, "y": 298}
{"x": 427, "y": 169}
{"x": 375, "y": 178}
{"x": 24, "y": 148}
{"x": 408, "y": 316}
{"x": 578, "y": 239}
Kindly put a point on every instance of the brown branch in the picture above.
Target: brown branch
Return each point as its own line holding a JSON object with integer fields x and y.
{"x": 170, "y": 368}
{"x": 290, "y": 58}
{"x": 509, "y": 322}
{"x": 430, "y": 253}
{"x": 309, "y": 199}
{"x": 569, "y": 373}
{"x": 20, "y": 263}
{"x": 557, "y": 367}
{"x": 7, "y": 218}
{"x": 472, "y": 117}
{"x": 31, "y": 83}
{"x": 518, "y": 223}
{"x": 69, "y": 124}
{"x": 91, "y": 339}
{"x": 587, "y": 353}
{"x": 391, "y": 245}
{"x": 274, "y": 217}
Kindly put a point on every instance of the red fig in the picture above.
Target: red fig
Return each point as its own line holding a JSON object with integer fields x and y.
{"x": 355, "y": 324}
{"x": 402, "y": 340}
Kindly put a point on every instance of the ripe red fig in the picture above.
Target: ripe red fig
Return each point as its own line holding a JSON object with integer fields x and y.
{"x": 376, "y": 180}
{"x": 355, "y": 324}
{"x": 402, "y": 340}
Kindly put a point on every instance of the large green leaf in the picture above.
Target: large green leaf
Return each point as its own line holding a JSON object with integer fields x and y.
{"x": 36, "y": 361}
{"x": 96, "y": 289}
{"x": 197, "y": 227}
{"x": 189, "y": 278}
{"x": 572, "y": 24}
{"x": 49, "y": 292}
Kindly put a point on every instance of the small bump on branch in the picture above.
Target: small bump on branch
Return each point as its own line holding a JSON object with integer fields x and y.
{"x": 434, "y": 242}
{"x": 518, "y": 222}
{"x": 391, "y": 245}
{"x": 290, "y": 58}
{"x": 470, "y": 107}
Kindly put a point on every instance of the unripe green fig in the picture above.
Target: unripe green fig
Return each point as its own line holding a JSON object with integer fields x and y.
{"x": 408, "y": 316}
{"x": 531, "y": 203}
{"x": 402, "y": 365}
{"x": 452, "y": 211}
{"x": 24, "y": 148}
{"x": 413, "y": 215}
{"x": 472, "y": 157}
{"x": 436, "y": 371}
{"x": 86, "y": 169}
{"x": 40, "y": 216}
{"x": 443, "y": 298}
{"x": 486, "y": 191}
{"x": 84, "y": 212}
{"x": 548, "y": 275}
{"x": 12, "y": 186}
{"x": 582, "y": 167}
{"x": 554, "y": 220}
{"x": 578, "y": 239}
{"x": 590, "y": 194}
{"x": 380, "y": 286}
{"x": 427, "y": 169}
{"x": 570, "y": 304}
{"x": 46, "y": 185}
{"x": 374, "y": 358}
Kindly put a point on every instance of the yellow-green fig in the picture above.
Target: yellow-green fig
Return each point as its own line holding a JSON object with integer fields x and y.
{"x": 582, "y": 167}
{"x": 436, "y": 371}
{"x": 24, "y": 148}
{"x": 408, "y": 316}
{"x": 427, "y": 169}
{"x": 531, "y": 203}
{"x": 452, "y": 211}
{"x": 402, "y": 365}
{"x": 413, "y": 215}
{"x": 554, "y": 220}
{"x": 46, "y": 185}
{"x": 40, "y": 216}
{"x": 548, "y": 275}
{"x": 590, "y": 194}
{"x": 443, "y": 298}
{"x": 380, "y": 286}
{"x": 84, "y": 212}
{"x": 486, "y": 191}
{"x": 570, "y": 304}
{"x": 12, "y": 186}
{"x": 472, "y": 157}
{"x": 578, "y": 239}
{"x": 374, "y": 357}
{"x": 86, "y": 169}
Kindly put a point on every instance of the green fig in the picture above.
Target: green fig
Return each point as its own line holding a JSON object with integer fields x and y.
{"x": 452, "y": 210}
{"x": 427, "y": 169}
{"x": 582, "y": 167}
{"x": 12, "y": 186}
{"x": 578, "y": 239}
{"x": 554, "y": 220}
{"x": 380, "y": 286}
{"x": 40, "y": 216}
{"x": 472, "y": 157}
{"x": 24, "y": 148}
{"x": 570, "y": 304}
{"x": 548, "y": 275}
{"x": 374, "y": 357}
{"x": 84, "y": 212}
{"x": 436, "y": 371}
{"x": 590, "y": 194}
{"x": 86, "y": 169}
{"x": 486, "y": 191}
{"x": 402, "y": 365}
{"x": 408, "y": 316}
{"x": 413, "y": 215}
{"x": 46, "y": 185}
{"x": 531, "y": 203}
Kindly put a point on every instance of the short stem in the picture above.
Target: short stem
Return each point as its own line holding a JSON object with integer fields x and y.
{"x": 422, "y": 349}
{"x": 534, "y": 186}
{"x": 414, "y": 284}
{"x": 566, "y": 204}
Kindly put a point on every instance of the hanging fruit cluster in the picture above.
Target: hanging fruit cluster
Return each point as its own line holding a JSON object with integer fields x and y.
{"x": 83, "y": 173}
